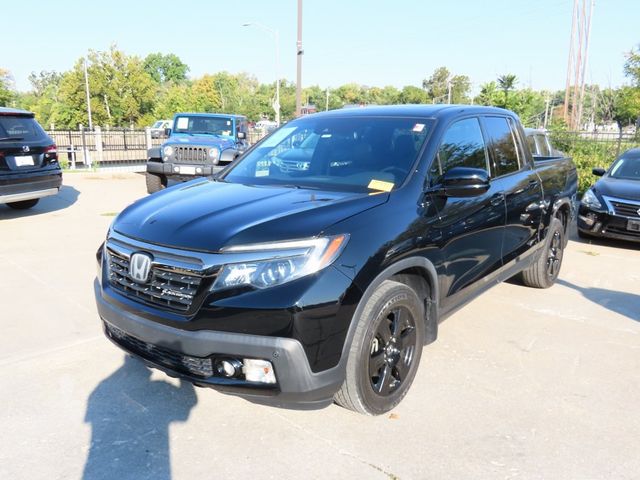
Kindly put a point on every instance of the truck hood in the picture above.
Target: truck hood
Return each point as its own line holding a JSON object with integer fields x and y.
{"x": 618, "y": 187}
{"x": 206, "y": 215}
{"x": 200, "y": 140}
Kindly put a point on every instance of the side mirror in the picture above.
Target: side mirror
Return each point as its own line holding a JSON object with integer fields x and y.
{"x": 464, "y": 182}
{"x": 167, "y": 132}
{"x": 242, "y": 135}
{"x": 598, "y": 172}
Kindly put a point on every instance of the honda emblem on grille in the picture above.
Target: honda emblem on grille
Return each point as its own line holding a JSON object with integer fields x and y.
{"x": 26, "y": 149}
{"x": 139, "y": 267}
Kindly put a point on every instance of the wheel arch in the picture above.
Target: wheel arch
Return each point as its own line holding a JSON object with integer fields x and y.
{"x": 416, "y": 272}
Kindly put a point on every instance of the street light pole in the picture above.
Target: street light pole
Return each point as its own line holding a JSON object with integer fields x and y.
{"x": 299, "y": 53}
{"x": 276, "y": 35}
{"x": 86, "y": 87}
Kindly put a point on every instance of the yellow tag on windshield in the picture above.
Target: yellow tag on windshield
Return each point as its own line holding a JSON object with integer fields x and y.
{"x": 380, "y": 185}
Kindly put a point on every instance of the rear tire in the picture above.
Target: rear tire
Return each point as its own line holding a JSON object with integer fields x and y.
{"x": 155, "y": 182}
{"x": 385, "y": 352}
{"x": 24, "y": 204}
{"x": 544, "y": 272}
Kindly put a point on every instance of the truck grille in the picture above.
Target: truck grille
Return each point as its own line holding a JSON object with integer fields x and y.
{"x": 201, "y": 367}
{"x": 626, "y": 209}
{"x": 166, "y": 288}
{"x": 191, "y": 154}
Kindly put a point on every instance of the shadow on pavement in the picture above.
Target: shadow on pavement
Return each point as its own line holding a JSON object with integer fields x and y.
{"x": 66, "y": 197}
{"x": 130, "y": 416}
{"x": 627, "y": 304}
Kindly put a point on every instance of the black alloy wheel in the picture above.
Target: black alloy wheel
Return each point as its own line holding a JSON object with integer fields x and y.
{"x": 392, "y": 351}
{"x": 385, "y": 350}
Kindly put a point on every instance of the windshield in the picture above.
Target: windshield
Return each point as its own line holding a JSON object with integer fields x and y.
{"x": 356, "y": 154}
{"x": 628, "y": 167}
{"x": 158, "y": 124}
{"x": 196, "y": 124}
{"x": 20, "y": 128}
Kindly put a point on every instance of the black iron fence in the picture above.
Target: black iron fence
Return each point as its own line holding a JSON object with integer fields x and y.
{"x": 109, "y": 148}
{"x": 593, "y": 149}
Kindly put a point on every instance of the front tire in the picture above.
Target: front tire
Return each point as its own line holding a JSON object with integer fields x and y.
{"x": 385, "y": 352}
{"x": 155, "y": 183}
{"x": 544, "y": 272}
{"x": 24, "y": 204}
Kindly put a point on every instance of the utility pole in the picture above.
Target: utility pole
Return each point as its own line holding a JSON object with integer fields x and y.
{"x": 449, "y": 90}
{"x": 584, "y": 66}
{"x": 570, "y": 61}
{"x": 326, "y": 105}
{"x": 546, "y": 111}
{"x": 577, "y": 62}
{"x": 86, "y": 87}
{"x": 299, "y": 53}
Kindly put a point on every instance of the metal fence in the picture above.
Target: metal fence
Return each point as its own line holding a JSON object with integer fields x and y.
{"x": 606, "y": 143}
{"x": 124, "y": 149}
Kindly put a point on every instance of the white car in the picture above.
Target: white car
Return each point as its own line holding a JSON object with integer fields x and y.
{"x": 158, "y": 128}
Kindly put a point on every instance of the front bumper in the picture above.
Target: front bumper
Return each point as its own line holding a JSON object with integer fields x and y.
{"x": 16, "y": 187}
{"x": 177, "y": 169}
{"x": 604, "y": 224}
{"x": 159, "y": 345}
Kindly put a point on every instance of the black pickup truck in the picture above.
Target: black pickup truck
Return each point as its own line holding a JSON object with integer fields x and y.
{"x": 316, "y": 267}
{"x": 29, "y": 168}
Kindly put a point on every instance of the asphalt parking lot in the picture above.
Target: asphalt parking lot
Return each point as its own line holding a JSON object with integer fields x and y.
{"x": 521, "y": 383}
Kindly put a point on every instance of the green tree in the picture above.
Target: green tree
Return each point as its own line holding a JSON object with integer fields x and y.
{"x": 632, "y": 66}
{"x": 441, "y": 80}
{"x": 507, "y": 83}
{"x": 489, "y": 95}
{"x": 626, "y": 106}
{"x": 165, "y": 68}
{"x": 40, "y": 82}
{"x": 411, "y": 94}
{"x": 122, "y": 93}
{"x": 6, "y": 88}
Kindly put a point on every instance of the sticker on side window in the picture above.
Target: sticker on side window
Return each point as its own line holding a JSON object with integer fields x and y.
{"x": 418, "y": 127}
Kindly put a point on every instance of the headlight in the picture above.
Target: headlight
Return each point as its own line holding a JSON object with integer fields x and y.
{"x": 278, "y": 263}
{"x": 590, "y": 200}
{"x": 168, "y": 151}
{"x": 213, "y": 153}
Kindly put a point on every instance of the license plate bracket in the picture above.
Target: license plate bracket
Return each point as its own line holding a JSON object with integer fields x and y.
{"x": 633, "y": 225}
{"x": 24, "y": 161}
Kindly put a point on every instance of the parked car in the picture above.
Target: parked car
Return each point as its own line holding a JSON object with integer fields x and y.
{"x": 29, "y": 168}
{"x": 296, "y": 287}
{"x": 540, "y": 143}
{"x": 611, "y": 207}
{"x": 197, "y": 145}
{"x": 159, "y": 128}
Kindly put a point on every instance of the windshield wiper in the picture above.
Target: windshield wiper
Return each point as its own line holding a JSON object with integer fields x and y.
{"x": 204, "y": 133}
{"x": 10, "y": 139}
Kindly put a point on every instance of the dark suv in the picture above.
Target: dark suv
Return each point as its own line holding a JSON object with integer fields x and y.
{"x": 317, "y": 265}
{"x": 29, "y": 168}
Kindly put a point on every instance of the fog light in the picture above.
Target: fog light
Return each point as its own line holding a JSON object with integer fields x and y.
{"x": 588, "y": 220}
{"x": 258, "y": 371}
{"x": 176, "y": 169}
{"x": 198, "y": 170}
{"x": 228, "y": 368}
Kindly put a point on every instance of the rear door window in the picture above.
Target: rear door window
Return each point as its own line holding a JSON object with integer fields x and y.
{"x": 23, "y": 129}
{"x": 505, "y": 154}
{"x": 462, "y": 145}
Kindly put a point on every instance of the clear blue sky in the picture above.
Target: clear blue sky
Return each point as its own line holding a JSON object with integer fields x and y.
{"x": 374, "y": 42}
